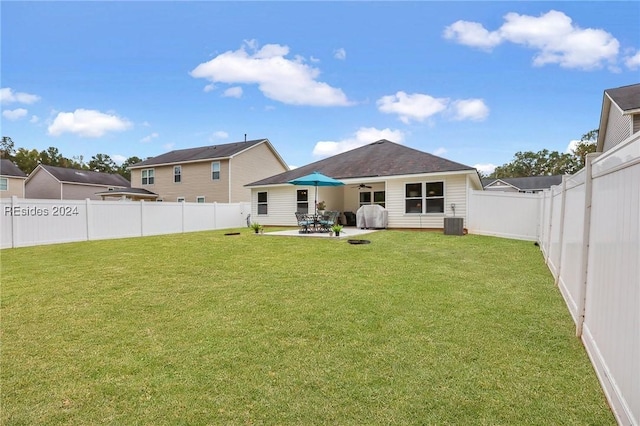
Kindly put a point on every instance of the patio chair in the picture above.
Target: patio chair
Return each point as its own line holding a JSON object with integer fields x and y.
{"x": 304, "y": 222}
{"x": 328, "y": 220}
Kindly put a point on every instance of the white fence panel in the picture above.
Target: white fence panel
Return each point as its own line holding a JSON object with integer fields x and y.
{"x": 612, "y": 314}
{"x": 504, "y": 214}
{"x": 115, "y": 219}
{"x": 555, "y": 230}
{"x": 27, "y": 222}
{"x": 569, "y": 275}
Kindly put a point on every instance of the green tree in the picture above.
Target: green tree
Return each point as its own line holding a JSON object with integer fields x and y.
{"x": 51, "y": 157}
{"x": 588, "y": 143}
{"x": 7, "y": 148}
{"x": 102, "y": 163}
{"x": 26, "y": 159}
{"x": 124, "y": 171}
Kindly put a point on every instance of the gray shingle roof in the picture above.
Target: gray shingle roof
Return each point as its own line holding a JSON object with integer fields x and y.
{"x": 86, "y": 176}
{"x": 528, "y": 183}
{"x": 7, "y": 168}
{"x": 626, "y": 97}
{"x": 200, "y": 153}
{"x": 381, "y": 158}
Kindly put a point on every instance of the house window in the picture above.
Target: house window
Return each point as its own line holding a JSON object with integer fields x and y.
{"x": 302, "y": 199}
{"x": 262, "y": 203}
{"x": 379, "y": 197}
{"x": 177, "y": 174}
{"x": 148, "y": 176}
{"x": 434, "y": 200}
{"x": 413, "y": 198}
{"x": 365, "y": 198}
{"x": 181, "y": 199}
{"x": 200, "y": 199}
{"x": 215, "y": 170}
{"x": 4, "y": 184}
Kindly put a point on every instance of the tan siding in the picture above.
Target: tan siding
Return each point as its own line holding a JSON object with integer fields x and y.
{"x": 80, "y": 192}
{"x": 618, "y": 128}
{"x": 281, "y": 206}
{"x": 255, "y": 164}
{"x": 42, "y": 185}
{"x": 15, "y": 187}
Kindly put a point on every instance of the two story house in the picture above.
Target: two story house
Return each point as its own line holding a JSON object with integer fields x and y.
{"x": 208, "y": 174}
{"x": 61, "y": 183}
{"x": 11, "y": 180}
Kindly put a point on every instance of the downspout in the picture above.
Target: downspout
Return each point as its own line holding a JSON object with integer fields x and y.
{"x": 229, "y": 194}
{"x": 586, "y": 232}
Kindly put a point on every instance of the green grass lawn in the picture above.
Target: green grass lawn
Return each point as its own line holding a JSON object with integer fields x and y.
{"x": 203, "y": 328}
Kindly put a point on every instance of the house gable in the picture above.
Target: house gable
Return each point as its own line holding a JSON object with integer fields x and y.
{"x": 619, "y": 117}
{"x": 50, "y": 182}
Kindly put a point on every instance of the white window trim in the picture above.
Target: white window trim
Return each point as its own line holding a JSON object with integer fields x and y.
{"x": 142, "y": 177}
{"x": 259, "y": 203}
{"x": 425, "y": 197}
{"x": 180, "y": 199}
{"x": 200, "y": 197}
{"x": 6, "y": 183}
{"x": 213, "y": 171}
{"x": 179, "y": 168}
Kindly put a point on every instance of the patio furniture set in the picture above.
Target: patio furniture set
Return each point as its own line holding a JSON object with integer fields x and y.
{"x": 320, "y": 222}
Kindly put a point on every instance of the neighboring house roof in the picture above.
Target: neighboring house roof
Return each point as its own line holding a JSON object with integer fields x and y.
{"x": 626, "y": 98}
{"x": 130, "y": 192}
{"x": 213, "y": 152}
{"x": 7, "y": 168}
{"x": 86, "y": 177}
{"x": 529, "y": 183}
{"x": 377, "y": 159}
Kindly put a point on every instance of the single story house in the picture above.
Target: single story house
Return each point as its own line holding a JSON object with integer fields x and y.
{"x": 11, "y": 180}
{"x": 529, "y": 184}
{"x": 216, "y": 173}
{"x": 619, "y": 117}
{"x": 60, "y": 183}
{"x": 417, "y": 189}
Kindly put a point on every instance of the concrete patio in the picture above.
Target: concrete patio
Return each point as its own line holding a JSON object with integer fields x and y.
{"x": 346, "y": 233}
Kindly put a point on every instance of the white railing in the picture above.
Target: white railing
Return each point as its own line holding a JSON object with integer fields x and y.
{"x": 25, "y": 222}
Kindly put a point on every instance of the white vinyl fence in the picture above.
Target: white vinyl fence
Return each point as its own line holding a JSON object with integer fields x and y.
{"x": 588, "y": 229}
{"x": 591, "y": 243}
{"x": 26, "y": 222}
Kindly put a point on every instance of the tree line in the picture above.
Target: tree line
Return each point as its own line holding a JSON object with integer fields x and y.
{"x": 528, "y": 163}
{"x": 28, "y": 159}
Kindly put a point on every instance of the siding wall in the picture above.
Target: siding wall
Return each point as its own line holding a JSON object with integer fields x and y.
{"x": 42, "y": 185}
{"x": 81, "y": 192}
{"x": 255, "y": 164}
{"x": 282, "y": 201}
{"x": 618, "y": 127}
{"x": 195, "y": 182}
{"x": 15, "y": 187}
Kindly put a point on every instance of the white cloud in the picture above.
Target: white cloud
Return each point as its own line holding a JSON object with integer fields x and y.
{"x": 340, "y": 54}
{"x": 149, "y": 138}
{"x": 119, "y": 159}
{"x": 486, "y": 169}
{"x": 364, "y": 135}
{"x": 553, "y": 35}
{"x": 209, "y": 88}
{"x": 408, "y": 107}
{"x": 440, "y": 151}
{"x": 470, "y": 109}
{"x": 14, "y": 114}
{"x": 168, "y": 146}
{"x": 571, "y": 148}
{"x": 289, "y": 81}
{"x": 218, "y": 135}
{"x": 34, "y": 119}
{"x": 633, "y": 61}
{"x": 87, "y": 123}
{"x": 419, "y": 107}
{"x": 233, "y": 92}
{"x": 7, "y": 96}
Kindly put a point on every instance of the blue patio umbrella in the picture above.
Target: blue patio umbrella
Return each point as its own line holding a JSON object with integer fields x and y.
{"x": 316, "y": 179}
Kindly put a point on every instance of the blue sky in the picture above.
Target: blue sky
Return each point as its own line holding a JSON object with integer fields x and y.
{"x": 473, "y": 82}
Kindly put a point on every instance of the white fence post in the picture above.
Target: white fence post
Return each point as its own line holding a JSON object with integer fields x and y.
{"x": 88, "y": 218}
{"x": 563, "y": 200}
{"x": 581, "y": 298}
{"x": 14, "y": 223}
